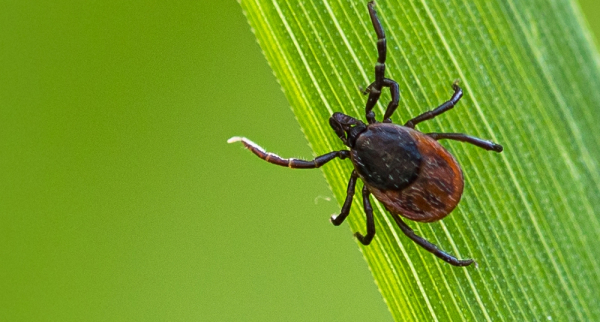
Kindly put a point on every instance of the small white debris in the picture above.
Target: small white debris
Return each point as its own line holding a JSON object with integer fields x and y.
{"x": 321, "y": 197}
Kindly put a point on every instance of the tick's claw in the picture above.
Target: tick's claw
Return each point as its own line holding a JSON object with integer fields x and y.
{"x": 332, "y": 220}
{"x": 468, "y": 262}
{"x": 455, "y": 86}
{"x": 362, "y": 239}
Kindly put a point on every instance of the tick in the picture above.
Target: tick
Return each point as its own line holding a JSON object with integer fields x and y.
{"x": 408, "y": 171}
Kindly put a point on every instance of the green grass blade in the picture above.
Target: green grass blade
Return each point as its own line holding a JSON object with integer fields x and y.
{"x": 531, "y": 80}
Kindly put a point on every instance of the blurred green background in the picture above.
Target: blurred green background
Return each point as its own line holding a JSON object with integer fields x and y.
{"x": 119, "y": 198}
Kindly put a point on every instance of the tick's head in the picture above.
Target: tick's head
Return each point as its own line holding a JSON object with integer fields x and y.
{"x": 347, "y": 128}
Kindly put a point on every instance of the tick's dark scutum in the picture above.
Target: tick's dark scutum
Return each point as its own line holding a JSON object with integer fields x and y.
{"x": 386, "y": 156}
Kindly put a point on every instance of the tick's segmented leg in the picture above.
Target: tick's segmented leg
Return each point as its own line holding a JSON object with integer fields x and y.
{"x": 291, "y": 163}
{"x": 366, "y": 240}
{"x": 431, "y": 247}
{"x": 393, "y": 104}
{"x": 484, "y": 144}
{"x": 338, "y": 220}
{"x": 395, "y": 91}
{"x": 439, "y": 110}
{"x": 375, "y": 88}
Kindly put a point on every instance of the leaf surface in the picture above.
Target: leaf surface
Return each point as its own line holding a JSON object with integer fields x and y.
{"x": 530, "y": 76}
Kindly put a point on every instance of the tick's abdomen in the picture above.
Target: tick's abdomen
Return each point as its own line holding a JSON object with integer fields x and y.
{"x": 409, "y": 172}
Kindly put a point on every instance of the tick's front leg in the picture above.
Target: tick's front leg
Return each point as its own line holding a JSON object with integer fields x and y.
{"x": 291, "y": 163}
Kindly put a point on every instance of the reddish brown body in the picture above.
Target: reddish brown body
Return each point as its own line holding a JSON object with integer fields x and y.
{"x": 435, "y": 187}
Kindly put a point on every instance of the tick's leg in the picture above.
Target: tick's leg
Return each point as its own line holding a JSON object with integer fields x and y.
{"x": 375, "y": 88}
{"x": 291, "y": 163}
{"x": 439, "y": 110}
{"x": 366, "y": 240}
{"x": 431, "y": 247}
{"x": 484, "y": 144}
{"x": 338, "y": 220}
{"x": 395, "y": 91}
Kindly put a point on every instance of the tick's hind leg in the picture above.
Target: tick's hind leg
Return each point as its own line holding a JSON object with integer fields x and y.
{"x": 438, "y": 110}
{"x": 375, "y": 88}
{"x": 366, "y": 240}
{"x": 338, "y": 220}
{"x": 291, "y": 163}
{"x": 484, "y": 144}
{"x": 431, "y": 247}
